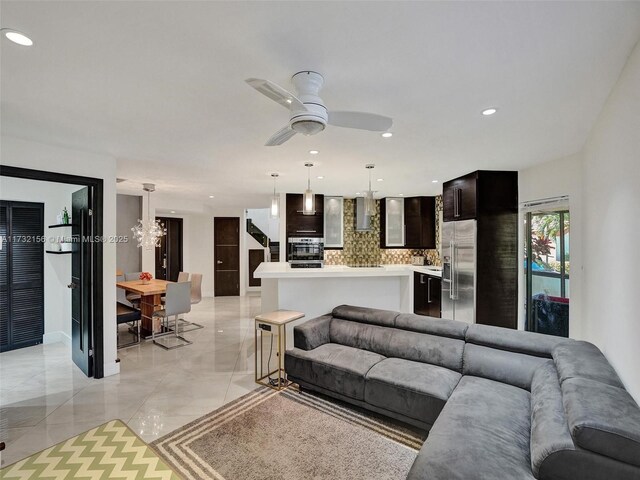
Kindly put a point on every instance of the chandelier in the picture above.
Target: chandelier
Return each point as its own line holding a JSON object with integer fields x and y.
{"x": 148, "y": 232}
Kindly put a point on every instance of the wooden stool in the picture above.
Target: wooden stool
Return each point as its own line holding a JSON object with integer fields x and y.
{"x": 273, "y": 323}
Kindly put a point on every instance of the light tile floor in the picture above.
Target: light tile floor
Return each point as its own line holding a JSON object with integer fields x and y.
{"x": 45, "y": 398}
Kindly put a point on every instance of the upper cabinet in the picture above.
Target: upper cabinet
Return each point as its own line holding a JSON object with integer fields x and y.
{"x": 333, "y": 222}
{"x": 408, "y": 222}
{"x": 478, "y": 193}
{"x": 420, "y": 222}
{"x": 299, "y": 225}
{"x": 392, "y": 222}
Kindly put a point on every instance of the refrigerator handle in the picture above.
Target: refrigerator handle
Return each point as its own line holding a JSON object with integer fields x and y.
{"x": 452, "y": 271}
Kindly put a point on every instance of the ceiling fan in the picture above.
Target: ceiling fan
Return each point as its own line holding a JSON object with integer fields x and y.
{"x": 307, "y": 112}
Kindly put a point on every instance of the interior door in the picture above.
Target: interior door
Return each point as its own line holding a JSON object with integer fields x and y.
{"x": 21, "y": 274}
{"x": 81, "y": 298}
{"x": 169, "y": 253}
{"x": 226, "y": 235}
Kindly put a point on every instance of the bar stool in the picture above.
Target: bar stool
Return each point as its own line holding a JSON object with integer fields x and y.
{"x": 266, "y": 323}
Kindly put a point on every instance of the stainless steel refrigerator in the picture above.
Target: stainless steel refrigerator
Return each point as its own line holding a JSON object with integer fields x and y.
{"x": 459, "y": 275}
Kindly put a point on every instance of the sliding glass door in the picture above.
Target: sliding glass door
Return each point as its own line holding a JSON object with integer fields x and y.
{"x": 547, "y": 272}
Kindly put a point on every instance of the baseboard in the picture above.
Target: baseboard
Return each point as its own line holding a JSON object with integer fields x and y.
{"x": 55, "y": 337}
{"x": 111, "y": 368}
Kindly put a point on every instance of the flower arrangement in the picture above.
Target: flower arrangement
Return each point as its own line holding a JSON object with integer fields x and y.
{"x": 146, "y": 278}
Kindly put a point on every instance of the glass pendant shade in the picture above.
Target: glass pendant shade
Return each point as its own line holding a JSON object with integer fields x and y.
{"x": 309, "y": 203}
{"x": 275, "y": 206}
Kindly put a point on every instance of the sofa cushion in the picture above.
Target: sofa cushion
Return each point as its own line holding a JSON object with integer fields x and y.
{"x": 549, "y": 429}
{"x": 482, "y": 433}
{"x": 391, "y": 342}
{"x": 580, "y": 359}
{"x": 517, "y": 341}
{"x": 373, "y": 316}
{"x": 603, "y": 419}
{"x": 338, "y": 368}
{"x": 434, "y": 326}
{"x": 507, "y": 367}
{"x": 417, "y": 390}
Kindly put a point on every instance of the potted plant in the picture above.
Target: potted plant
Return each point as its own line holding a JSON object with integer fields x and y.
{"x": 146, "y": 278}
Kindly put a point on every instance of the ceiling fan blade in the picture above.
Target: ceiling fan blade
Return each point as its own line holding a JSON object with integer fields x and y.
{"x": 361, "y": 120}
{"x": 280, "y": 136}
{"x": 276, "y": 93}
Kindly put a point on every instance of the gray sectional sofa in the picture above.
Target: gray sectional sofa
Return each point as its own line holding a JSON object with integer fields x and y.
{"x": 498, "y": 403}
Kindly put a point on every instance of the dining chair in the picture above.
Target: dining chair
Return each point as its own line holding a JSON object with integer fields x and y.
{"x": 196, "y": 297}
{"x": 178, "y": 302}
{"x": 132, "y": 317}
{"x": 133, "y": 298}
{"x": 182, "y": 277}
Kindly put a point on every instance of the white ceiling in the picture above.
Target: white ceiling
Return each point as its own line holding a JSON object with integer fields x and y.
{"x": 160, "y": 86}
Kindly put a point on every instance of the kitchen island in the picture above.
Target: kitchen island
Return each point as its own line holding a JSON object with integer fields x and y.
{"x": 316, "y": 291}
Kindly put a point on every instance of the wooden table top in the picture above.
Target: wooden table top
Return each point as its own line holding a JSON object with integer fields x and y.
{"x": 279, "y": 317}
{"x": 155, "y": 287}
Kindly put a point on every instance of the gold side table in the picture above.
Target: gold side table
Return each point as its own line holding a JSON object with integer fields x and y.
{"x": 273, "y": 324}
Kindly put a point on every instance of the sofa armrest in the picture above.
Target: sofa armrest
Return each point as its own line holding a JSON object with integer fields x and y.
{"x": 313, "y": 333}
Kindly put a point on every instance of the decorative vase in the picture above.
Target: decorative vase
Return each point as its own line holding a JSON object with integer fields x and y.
{"x": 146, "y": 282}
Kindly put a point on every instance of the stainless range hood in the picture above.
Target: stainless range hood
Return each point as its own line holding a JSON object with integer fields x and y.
{"x": 363, "y": 221}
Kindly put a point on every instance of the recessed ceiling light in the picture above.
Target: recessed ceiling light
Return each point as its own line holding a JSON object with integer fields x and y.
{"x": 211, "y": 196}
{"x": 173, "y": 211}
{"x": 434, "y": 181}
{"x": 17, "y": 37}
{"x": 380, "y": 180}
{"x": 401, "y": 194}
{"x": 357, "y": 193}
{"x": 314, "y": 152}
{"x": 289, "y": 100}
{"x": 387, "y": 135}
{"x": 319, "y": 177}
{"x": 489, "y": 111}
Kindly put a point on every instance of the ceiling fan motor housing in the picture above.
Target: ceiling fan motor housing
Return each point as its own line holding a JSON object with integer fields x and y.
{"x": 314, "y": 119}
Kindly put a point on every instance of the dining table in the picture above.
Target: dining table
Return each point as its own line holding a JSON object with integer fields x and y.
{"x": 150, "y": 294}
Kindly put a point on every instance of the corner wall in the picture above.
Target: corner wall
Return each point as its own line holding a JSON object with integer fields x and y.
{"x": 611, "y": 182}
{"x": 39, "y": 156}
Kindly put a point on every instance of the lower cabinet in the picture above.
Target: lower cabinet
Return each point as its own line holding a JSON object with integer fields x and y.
{"x": 427, "y": 295}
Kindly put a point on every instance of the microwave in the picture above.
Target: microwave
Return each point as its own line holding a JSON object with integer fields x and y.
{"x": 305, "y": 252}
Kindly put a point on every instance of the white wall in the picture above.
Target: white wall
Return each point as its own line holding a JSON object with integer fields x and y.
{"x": 57, "y": 268}
{"x": 38, "y": 156}
{"x": 547, "y": 180}
{"x": 611, "y": 185}
{"x": 128, "y": 255}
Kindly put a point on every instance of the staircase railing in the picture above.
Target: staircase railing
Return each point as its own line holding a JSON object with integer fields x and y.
{"x": 256, "y": 233}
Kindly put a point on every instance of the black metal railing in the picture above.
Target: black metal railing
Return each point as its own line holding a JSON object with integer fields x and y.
{"x": 257, "y": 234}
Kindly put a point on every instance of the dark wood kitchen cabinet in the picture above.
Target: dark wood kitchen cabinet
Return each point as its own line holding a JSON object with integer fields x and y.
{"x": 420, "y": 222}
{"x": 478, "y": 193}
{"x": 427, "y": 295}
{"x": 299, "y": 225}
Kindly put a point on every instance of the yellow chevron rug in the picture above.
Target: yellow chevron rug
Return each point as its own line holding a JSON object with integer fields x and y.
{"x": 109, "y": 451}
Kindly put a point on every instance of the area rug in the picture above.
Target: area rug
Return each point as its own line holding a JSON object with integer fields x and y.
{"x": 290, "y": 435}
{"x": 109, "y": 451}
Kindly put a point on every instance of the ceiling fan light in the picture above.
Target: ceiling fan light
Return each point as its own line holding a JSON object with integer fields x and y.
{"x": 307, "y": 127}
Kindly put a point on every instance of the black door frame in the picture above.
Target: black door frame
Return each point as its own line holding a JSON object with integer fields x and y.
{"x": 96, "y": 206}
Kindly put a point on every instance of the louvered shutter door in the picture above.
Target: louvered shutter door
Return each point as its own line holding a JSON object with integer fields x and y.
{"x": 4, "y": 277}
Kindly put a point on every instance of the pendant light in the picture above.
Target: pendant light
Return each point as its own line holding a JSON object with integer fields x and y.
{"x": 309, "y": 199}
{"x": 148, "y": 232}
{"x": 275, "y": 200}
{"x": 369, "y": 201}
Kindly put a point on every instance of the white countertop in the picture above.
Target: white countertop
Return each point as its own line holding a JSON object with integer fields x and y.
{"x": 284, "y": 270}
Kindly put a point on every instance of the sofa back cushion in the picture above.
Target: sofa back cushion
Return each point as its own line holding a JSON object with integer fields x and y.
{"x": 373, "y": 316}
{"x": 517, "y": 341}
{"x": 434, "y": 326}
{"x": 580, "y": 359}
{"x": 392, "y": 342}
{"x": 603, "y": 418}
{"x": 507, "y": 367}
{"x": 549, "y": 429}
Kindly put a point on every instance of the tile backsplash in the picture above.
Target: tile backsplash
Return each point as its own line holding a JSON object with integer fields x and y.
{"x": 363, "y": 248}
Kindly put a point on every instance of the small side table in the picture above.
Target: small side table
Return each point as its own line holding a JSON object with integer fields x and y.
{"x": 274, "y": 324}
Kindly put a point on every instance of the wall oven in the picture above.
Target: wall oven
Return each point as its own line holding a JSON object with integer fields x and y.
{"x": 305, "y": 252}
